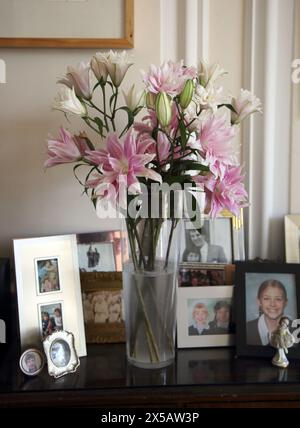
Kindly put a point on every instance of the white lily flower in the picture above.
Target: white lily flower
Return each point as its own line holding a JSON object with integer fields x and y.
{"x": 68, "y": 102}
{"x": 134, "y": 98}
{"x": 209, "y": 97}
{"x": 117, "y": 65}
{"x": 208, "y": 74}
{"x": 244, "y": 105}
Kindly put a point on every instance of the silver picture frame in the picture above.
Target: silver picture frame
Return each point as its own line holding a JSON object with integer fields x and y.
{"x": 61, "y": 354}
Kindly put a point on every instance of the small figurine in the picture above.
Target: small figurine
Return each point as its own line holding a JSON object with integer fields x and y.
{"x": 282, "y": 339}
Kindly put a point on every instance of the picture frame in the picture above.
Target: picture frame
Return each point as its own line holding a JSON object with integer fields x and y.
{"x": 292, "y": 238}
{"x": 32, "y": 362}
{"x": 5, "y": 303}
{"x": 100, "y": 251}
{"x": 219, "y": 240}
{"x": 201, "y": 274}
{"x": 212, "y": 308}
{"x": 117, "y": 27}
{"x": 61, "y": 354}
{"x": 265, "y": 292}
{"x": 42, "y": 313}
{"x": 103, "y": 307}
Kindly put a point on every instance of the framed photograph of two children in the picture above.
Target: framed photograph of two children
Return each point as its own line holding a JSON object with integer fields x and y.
{"x": 48, "y": 287}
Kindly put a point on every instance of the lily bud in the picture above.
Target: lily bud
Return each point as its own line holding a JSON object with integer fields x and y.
{"x": 163, "y": 109}
{"x": 187, "y": 94}
{"x": 99, "y": 69}
{"x": 150, "y": 100}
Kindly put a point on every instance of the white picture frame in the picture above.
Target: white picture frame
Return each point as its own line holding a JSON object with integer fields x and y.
{"x": 189, "y": 297}
{"x": 292, "y": 238}
{"x": 67, "y": 298}
{"x": 61, "y": 354}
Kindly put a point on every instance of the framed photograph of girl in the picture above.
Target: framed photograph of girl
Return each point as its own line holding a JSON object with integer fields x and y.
{"x": 266, "y": 292}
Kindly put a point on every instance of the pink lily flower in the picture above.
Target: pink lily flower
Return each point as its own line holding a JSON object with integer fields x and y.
{"x": 125, "y": 161}
{"x": 65, "y": 149}
{"x": 226, "y": 193}
{"x": 170, "y": 77}
{"x": 79, "y": 78}
{"x": 215, "y": 144}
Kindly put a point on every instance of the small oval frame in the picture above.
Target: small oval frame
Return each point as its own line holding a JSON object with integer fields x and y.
{"x": 73, "y": 362}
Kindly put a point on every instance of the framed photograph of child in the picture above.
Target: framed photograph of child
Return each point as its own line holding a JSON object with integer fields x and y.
{"x": 266, "y": 292}
{"x": 205, "y": 317}
{"x": 48, "y": 289}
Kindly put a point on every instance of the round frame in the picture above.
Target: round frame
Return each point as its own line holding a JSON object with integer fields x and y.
{"x": 22, "y": 361}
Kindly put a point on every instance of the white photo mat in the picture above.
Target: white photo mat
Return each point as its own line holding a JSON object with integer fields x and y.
{"x": 184, "y": 340}
{"x": 26, "y": 252}
{"x": 292, "y": 238}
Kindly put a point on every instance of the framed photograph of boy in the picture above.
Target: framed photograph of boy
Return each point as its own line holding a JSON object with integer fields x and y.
{"x": 48, "y": 289}
{"x": 265, "y": 292}
{"x": 205, "y": 317}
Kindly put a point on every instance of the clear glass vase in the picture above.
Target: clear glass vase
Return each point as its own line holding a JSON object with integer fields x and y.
{"x": 149, "y": 282}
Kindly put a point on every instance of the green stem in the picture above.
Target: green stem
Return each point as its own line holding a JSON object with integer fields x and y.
{"x": 104, "y": 107}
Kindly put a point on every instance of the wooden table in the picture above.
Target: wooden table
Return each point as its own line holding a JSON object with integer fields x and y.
{"x": 198, "y": 378}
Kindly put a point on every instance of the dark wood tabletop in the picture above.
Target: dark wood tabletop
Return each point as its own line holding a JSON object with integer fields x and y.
{"x": 199, "y": 378}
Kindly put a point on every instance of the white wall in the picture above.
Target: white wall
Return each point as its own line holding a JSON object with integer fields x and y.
{"x": 34, "y": 202}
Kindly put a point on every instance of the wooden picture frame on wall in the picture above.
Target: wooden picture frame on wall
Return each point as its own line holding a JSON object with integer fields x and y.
{"x": 39, "y": 41}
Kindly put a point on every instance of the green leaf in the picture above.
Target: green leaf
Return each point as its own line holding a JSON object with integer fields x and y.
{"x": 100, "y": 124}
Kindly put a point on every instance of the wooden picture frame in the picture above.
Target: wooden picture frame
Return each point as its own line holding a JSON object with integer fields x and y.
{"x": 126, "y": 41}
{"x": 201, "y": 274}
{"x": 103, "y": 307}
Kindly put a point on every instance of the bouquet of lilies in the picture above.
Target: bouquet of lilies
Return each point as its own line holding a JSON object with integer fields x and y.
{"x": 179, "y": 129}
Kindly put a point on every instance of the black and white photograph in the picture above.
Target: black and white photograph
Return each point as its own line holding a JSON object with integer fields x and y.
{"x": 60, "y": 353}
{"x": 266, "y": 293}
{"x": 210, "y": 244}
{"x": 47, "y": 275}
{"x": 32, "y": 362}
{"x": 205, "y": 317}
{"x": 198, "y": 276}
{"x": 51, "y": 316}
{"x": 100, "y": 251}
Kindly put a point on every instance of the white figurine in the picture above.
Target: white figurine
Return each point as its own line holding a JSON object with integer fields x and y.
{"x": 282, "y": 339}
